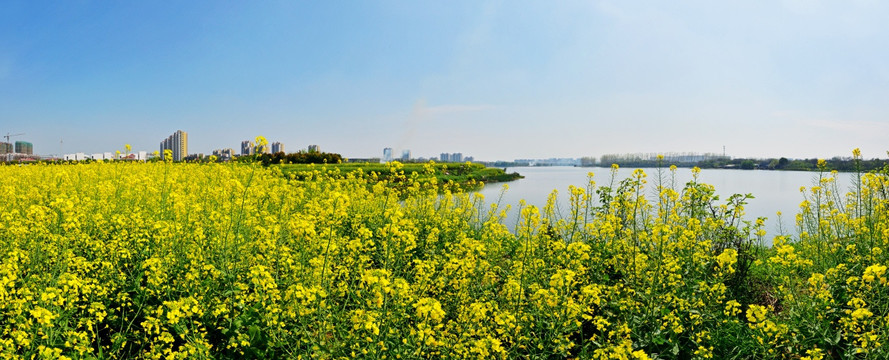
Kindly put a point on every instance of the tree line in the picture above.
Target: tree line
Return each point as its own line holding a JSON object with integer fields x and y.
{"x": 302, "y": 157}
{"x": 783, "y": 163}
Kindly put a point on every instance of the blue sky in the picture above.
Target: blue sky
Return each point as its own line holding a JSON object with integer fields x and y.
{"x": 493, "y": 79}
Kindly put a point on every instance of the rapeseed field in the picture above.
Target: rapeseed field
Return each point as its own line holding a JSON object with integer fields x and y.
{"x": 175, "y": 261}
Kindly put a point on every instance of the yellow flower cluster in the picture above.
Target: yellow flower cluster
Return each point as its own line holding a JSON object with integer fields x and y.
{"x": 164, "y": 260}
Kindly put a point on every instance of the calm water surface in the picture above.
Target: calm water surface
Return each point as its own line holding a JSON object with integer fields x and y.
{"x": 774, "y": 191}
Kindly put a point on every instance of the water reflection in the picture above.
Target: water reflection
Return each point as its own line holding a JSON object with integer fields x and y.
{"x": 774, "y": 191}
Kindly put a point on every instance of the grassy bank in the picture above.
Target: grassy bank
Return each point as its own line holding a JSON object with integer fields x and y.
{"x": 462, "y": 175}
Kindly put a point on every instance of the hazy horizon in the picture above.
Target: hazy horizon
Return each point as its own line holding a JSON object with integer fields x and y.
{"x": 490, "y": 79}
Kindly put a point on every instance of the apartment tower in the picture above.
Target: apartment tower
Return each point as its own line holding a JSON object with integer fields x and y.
{"x": 24, "y": 147}
{"x": 177, "y": 143}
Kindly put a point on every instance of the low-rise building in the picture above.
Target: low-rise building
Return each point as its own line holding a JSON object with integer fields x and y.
{"x": 76, "y": 157}
{"x": 224, "y": 154}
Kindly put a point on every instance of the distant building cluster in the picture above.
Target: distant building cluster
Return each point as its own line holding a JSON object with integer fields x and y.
{"x": 224, "y": 154}
{"x": 387, "y": 155}
{"x": 407, "y": 156}
{"x": 668, "y": 157}
{"x": 249, "y": 148}
{"x": 454, "y": 157}
{"x": 177, "y": 143}
{"x": 138, "y": 155}
{"x": 548, "y": 162}
{"x": 20, "y": 150}
{"x": 20, "y": 147}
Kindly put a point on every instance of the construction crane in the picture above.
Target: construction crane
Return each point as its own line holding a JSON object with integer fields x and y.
{"x": 8, "y": 135}
{"x": 11, "y": 150}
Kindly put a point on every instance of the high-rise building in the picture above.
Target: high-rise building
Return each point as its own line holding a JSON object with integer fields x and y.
{"x": 277, "y": 147}
{"x": 246, "y": 148}
{"x": 405, "y": 155}
{"x": 314, "y": 148}
{"x": 5, "y": 148}
{"x": 387, "y": 155}
{"x": 177, "y": 143}
{"x": 24, "y": 147}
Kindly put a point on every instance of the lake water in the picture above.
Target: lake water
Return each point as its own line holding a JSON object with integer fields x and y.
{"x": 774, "y": 191}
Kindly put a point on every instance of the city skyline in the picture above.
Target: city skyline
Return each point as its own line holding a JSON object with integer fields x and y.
{"x": 497, "y": 80}
{"x": 247, "y": 148}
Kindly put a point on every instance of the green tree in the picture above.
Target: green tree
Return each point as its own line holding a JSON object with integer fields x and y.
{"x": 782, "y": 162}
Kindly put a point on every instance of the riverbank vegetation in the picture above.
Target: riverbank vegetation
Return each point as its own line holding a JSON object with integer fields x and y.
{"x": 160, "y": 260}
{"x": 301, "y": 157}
{"x": 466, "y": 175}
{"x": 843, "y": 164}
